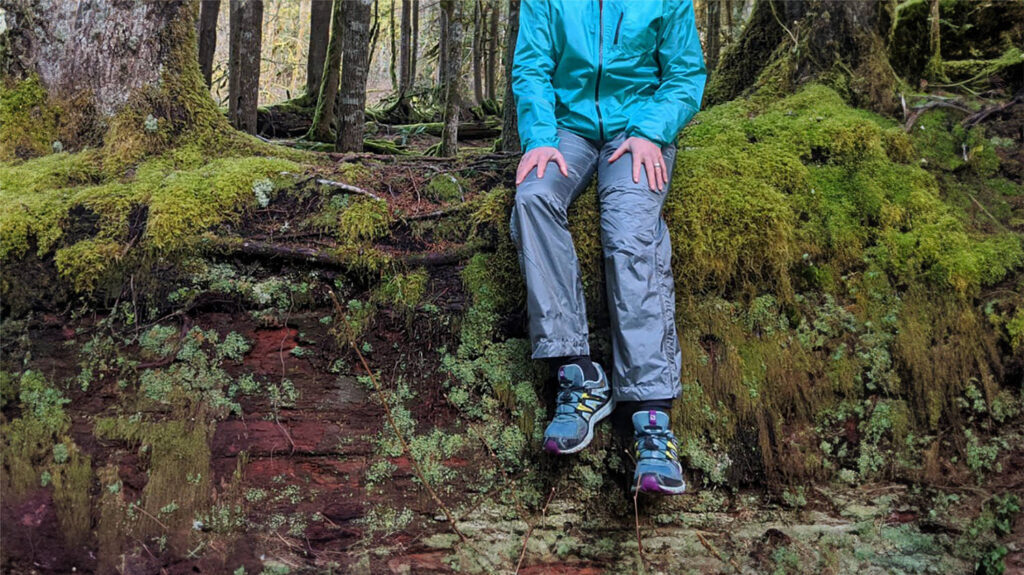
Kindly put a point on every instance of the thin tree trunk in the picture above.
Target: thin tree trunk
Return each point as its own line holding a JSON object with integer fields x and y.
{"x": 442, "y": 43}
{"x": 374, "y": 32}
{"x": 319, "y": 34}
{"x": 452, "y": 49}
{"x": 353, "y": 79}
{"x": 249, "y": 20}
{"x": 478, "y": 59}
{"x": 414, "y": 47}
{"x": 393, "y": 66}
{"x": 323, "y": 118}
{"x": 509, "y": 125}
{"x": 492, "y": 49}
{"x": 405, "y": 61}
{"x": 209, "y": 10}
{"x": 933, "y": 70}
{"x": 712, "y": 31}
{"x": 234, "y": 56}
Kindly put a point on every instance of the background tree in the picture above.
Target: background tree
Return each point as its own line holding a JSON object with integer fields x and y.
{"x": 323, "y": 118}
{"x": 209, "y": 12}
{"x": 451, "y": 74}
{"x": 353, "y": 76}
{"x": 509, "y": 126}
{"x": 319, "y": 35}
{"x": 244, "y": 63}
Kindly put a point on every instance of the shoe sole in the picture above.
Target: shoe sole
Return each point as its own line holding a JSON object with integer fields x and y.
{"x": 649, "y": 484}
{"x": 552, "y": 447}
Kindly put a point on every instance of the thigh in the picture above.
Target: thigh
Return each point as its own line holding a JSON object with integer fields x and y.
{"x": 629, "y": 210}
{"x": 581, "y": 157}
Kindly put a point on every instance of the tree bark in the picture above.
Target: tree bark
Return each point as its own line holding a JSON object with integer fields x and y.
{"x": 393, "y": 66}
{"x": 353, "y": 78}
{"x": 933, "y": 70}
{"x": 492, "y": 50}
{"x": 478, "y": 32}
{"x": 509, "y": 125}
{"x": 246, "y": 43}
{"x": 319, "y": 35}
{"x": 451, "y": 79}
{"x": 323, "y": 118}
{"x": 208, "y": 14}
{"x": 442, "y": 43}
{"x": 414, "y": 46}
{"x": 829, "y": 36}
{"x": 712, "y": 34}
{"x": 405, "y": 60}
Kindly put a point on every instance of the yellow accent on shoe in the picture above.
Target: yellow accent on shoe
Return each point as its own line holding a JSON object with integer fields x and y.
{"x": 584, "y": 407}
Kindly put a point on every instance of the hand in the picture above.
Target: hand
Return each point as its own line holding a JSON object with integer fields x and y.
{"x": 646, "y": 154}
{"x": 539, "y": 158}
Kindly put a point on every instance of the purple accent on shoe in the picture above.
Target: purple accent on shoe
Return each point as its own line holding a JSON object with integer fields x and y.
{"x": 551, "y": 446}
{"x": 561, "y": 372}
{"x": 649, "y": 484}
{"x": 654, "y": 417}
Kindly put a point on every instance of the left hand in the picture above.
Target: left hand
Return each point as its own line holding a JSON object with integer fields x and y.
{"x": 646, "y": 154}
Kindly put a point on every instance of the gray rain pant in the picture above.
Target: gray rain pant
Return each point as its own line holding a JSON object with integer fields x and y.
{"x": 637, "y": 258}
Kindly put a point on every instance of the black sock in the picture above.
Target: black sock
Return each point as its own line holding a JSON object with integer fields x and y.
{"x": 631, "y": 407}
{"x": 589, "y": 371}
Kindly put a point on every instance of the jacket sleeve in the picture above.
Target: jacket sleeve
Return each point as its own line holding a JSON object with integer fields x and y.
{"x": 532, "y": 68}
{"x": 682, "y": 78}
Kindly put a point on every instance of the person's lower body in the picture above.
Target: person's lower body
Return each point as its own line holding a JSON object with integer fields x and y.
{"x": 640, "y": 287}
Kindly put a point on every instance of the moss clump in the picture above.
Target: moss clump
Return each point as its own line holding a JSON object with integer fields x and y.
{"x": 28, "y": 122}
{"x": 179, "y": 485}
{"x": 28, "y": 440}
{"x": 445, "y": 188}
{"x": 364, "y": 220}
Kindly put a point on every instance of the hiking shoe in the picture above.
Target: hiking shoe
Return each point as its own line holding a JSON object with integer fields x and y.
{"x": 657, "y": 462}
{"x": 581, "y": 404}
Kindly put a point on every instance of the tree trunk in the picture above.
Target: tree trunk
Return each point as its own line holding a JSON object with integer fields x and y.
{"x": 323, "y": 118}
{"x": 509, "y": 125}
{"x": 492, "y": 49}
{"x": 319, "y": 34}
{"x": 933, "y": 70}
{"x": 451, "y": 79}
{"x": 712, "y": 34}
{"x": 374, "y": 32}
{"x": 353, "y": 78}
{"x": 393, "y": 66}
{"x": 442, "y": 43}
{"x": 478, "y": 60}
{"x": 406, "y": 61}
{"x": 830, "y": 36}
{"x": 208, "y": 14}
{"x": 244, "y": 64}
{"x": 414, "y": 47}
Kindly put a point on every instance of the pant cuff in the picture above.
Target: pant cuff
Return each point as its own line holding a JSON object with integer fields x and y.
{"x": 644, "y": 392}
{"x": 545, "y": 348}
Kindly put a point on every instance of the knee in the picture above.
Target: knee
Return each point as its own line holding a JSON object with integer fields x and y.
{"x": 534, "y": 195}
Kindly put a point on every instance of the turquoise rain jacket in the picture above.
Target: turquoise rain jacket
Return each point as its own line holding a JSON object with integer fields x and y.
{"x": 598, "y": 67}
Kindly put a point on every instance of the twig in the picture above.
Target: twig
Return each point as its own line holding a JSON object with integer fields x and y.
{"x": 711, "y": 549}
{"x": 433, "y": 215}
{"x": 543, "y": 514}
{"x": 981, "y": 115}
{"x": 348, "y": 188}
{"x": 151, "y": 516}
{"x": 636, "y": 522}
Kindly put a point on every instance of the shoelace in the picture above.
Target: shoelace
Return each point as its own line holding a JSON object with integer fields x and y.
{"x": 568, "y": 398}
{"x": 653, "y": 444}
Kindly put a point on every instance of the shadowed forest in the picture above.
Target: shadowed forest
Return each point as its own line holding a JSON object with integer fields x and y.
{"x": 260, "y": 312}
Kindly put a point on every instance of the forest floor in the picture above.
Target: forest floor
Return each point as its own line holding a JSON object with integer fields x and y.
{"x": 317, "y": 465}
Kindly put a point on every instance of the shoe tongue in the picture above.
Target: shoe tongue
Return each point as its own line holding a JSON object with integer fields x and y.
{"x": 642, "y": 419}
{"x": 570, "y": 373}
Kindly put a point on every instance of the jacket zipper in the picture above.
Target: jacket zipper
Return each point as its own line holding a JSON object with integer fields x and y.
{"x": 617, "y": 28}
{"x": 600, "y": 63}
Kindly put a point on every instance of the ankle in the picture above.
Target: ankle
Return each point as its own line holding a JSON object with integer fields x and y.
{"x": 583, "y": 361}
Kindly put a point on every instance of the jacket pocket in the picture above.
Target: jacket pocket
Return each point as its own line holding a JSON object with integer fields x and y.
{"x": 636, "y": 33}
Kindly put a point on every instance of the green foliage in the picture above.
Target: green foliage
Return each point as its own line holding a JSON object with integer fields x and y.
{"x": 366, "y": 220}
{"x": 28, "y": 121}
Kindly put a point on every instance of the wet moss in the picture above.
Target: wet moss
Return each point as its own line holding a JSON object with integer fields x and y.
{"x": 28, "y": 121}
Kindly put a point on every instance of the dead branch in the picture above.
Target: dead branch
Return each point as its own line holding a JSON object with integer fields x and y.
{"x": 348, "y": 188}
{"x": 981, "y": 115}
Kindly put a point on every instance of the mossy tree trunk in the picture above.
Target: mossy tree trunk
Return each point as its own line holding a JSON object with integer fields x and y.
{"x": 451, "y": 47}
{"x": 478, "y": 60}
{"x": 789, "y": 43}
{"x": 492, "y": 49}
{"x": 208, "y": 37}
{"x": 509, "y": 126}
{"x": 244, "y": 63}
{"x": 319, "y": 35}
{"x": 323, "y": 118}
{"x": 353, "y": 78}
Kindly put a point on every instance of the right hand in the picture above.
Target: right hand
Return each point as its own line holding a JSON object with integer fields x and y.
{"x": 539, "y": 158}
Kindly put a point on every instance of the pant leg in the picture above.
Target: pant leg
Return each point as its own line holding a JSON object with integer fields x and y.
{"x": 539, "y": 228}
{"x": 638, "y": 274}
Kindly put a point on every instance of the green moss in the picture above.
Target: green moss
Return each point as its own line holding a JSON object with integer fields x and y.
{"x": 445, "y": 188}
{"x": 364, "y": 220}
{"x": 28, "y": 440}
{"x": 28, "y": 121}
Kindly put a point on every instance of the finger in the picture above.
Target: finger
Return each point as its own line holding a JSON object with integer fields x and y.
{"x": 662, "y": 172}
{"x": 637, "y": 165}
{"x": 649, "y": 166}
{"x": 524, "y": 169}
{"x": 618, "y": 153}
{"x": 542, "y": 165}
{"x": 561, "y": 164}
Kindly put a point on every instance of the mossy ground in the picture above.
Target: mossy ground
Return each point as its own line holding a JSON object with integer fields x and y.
{"x": 847, "y": 318}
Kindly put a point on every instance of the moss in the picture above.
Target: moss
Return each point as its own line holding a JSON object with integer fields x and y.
{"x": 366, "y": 219}
{"x": 28, "y": 440}
{"x": 28, "y": 121}
{"x": 179, "y": 485}
{"x": 445, "y": 188}
{"x": 72, "y": 480}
